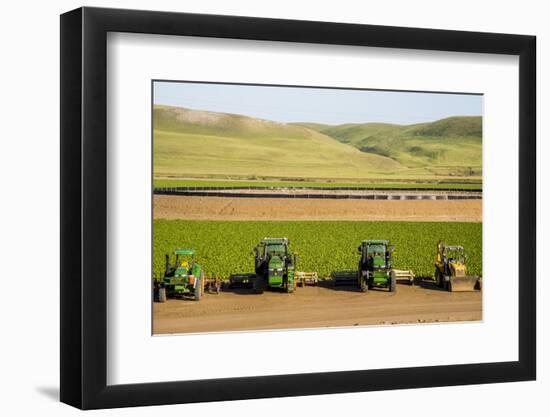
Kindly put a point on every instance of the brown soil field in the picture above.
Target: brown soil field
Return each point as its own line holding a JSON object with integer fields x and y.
{"x": 311, "y": 307}
{"x": 223, "y": 208}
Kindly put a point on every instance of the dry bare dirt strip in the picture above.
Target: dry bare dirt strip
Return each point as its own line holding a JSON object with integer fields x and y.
{"x": 322, "y": 306}
{"x": 222, "y": 208}
{"x": 328, "y": 192}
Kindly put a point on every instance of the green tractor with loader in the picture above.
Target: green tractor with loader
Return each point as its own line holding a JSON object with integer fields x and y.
{"x": 182, "y": 277}
{"x": 274, "y": 265}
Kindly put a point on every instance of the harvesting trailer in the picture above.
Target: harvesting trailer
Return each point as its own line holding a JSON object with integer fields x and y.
{"x": 450, "y": 269}
{"x": 274, "y": 265}
{"x": 375, "y": 265}
{"x": 182, "y": 277}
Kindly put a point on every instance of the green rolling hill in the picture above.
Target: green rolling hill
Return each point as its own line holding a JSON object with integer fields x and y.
{"x": 204, "y": 144}
{"x": 197, "y": 143}
{"x": 453, "y": 144}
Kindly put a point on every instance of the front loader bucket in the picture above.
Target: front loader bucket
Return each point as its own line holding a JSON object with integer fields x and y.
{"x": 465, "y": 283}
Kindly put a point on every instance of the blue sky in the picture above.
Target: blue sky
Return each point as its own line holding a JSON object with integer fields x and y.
{"x": 330, "y": 106}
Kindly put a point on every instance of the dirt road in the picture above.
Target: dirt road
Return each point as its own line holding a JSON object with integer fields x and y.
{"x": 224, "y": 208}
{"x": 322, "y": 306}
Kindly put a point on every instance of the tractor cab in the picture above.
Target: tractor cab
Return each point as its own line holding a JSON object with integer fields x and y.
{"x": 376, "y": 254}
{"x": 455, "y": 254}
{"x": 452, "y": 259}
{"x": 375, "y": 266}
{"x": 184, "y": 262}
{"x": 274, "y": 246}
{"x": 272, "y": 249}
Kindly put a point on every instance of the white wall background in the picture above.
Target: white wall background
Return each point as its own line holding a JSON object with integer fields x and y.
{"x": 29, "y": 219}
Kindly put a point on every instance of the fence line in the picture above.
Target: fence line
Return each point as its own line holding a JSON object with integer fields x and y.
{"x": 259, "y": 187}
{"x": 404, "y": 196}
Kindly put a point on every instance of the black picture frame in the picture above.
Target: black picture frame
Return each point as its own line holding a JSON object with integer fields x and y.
{"x": 84, "y": 207}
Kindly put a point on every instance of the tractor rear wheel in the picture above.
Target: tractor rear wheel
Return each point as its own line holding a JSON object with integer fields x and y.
{"x": 290, "y": 287}
{"x": 162, "y": 295}
{"x": 439, "y": 278}
{"x": 363, "y": 283}
{"x": 259, "y": 284}
{"x": 199, "y": 287}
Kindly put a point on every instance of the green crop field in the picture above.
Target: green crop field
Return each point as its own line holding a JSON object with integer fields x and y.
{"x": 164, "y": 183}
{"x": 224, "y": 247}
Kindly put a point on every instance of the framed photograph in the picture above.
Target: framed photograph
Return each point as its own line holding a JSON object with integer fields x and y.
{"x": 258, "y": 208}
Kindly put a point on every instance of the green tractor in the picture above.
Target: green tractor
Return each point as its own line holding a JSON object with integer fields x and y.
{"x": 375, "y": 266}
{"x": 182, "y": 277}
{"x": 274, "y": 265}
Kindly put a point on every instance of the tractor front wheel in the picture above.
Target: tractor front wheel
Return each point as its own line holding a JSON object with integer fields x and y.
{"x": 447, "y": 286}
{"x": 392, "y": 285}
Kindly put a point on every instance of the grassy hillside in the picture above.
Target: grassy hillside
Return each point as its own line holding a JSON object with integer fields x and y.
{"x": 451, "y": 145}
{"x": 199, "y": 143}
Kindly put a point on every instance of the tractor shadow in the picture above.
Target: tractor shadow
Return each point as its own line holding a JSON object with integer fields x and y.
{"x": 246, "y": 290}
{"x": 330, "y": 284}
{"x": 347, "y": 282}
{"x": 346, "y": 287}
{"x": 182, "y": 298}
{"x": 428, "y": 283}
{"x": 239, "y": 288}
